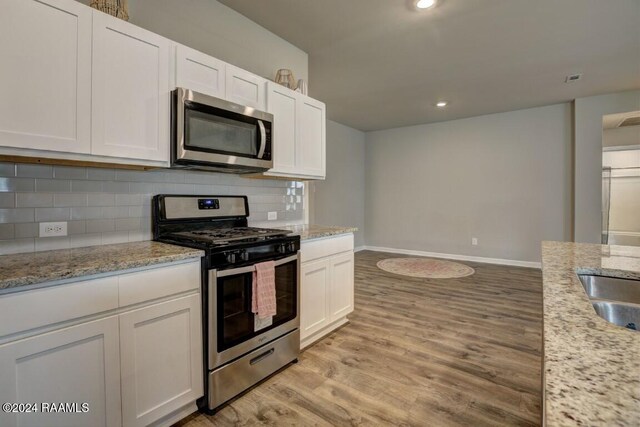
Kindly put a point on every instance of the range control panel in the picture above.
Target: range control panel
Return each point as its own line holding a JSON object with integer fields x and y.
{"x": 208, "y": 204}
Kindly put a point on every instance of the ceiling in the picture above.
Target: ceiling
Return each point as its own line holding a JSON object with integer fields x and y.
{"x": 380, "y": 64}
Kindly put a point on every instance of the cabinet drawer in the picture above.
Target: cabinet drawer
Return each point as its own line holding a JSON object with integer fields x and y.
{"x": 315, "y": 249}
{"x": 158, "y": 282}
{"x": 22, "y": 311}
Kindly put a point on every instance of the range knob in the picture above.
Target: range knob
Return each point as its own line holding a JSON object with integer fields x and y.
{"x": 291, "y": 247}
{"x": 244, "y": 256}
{"x": 282, "y": 248}
{"x": 231, "y": 258}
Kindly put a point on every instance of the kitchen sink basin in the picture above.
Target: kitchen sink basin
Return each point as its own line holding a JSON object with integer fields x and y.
{"x": 625, "y": 315}
{"x": 611, "y": 288}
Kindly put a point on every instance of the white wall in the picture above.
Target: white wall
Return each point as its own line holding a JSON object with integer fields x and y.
{"x": 215, "y": 29}
{"x": 624, "y": 214}
{"x": 619, "y": 137}
{"x": 588, "y": 114}
{"x": 503, "y": 178}
{"x": 339, "y": 200}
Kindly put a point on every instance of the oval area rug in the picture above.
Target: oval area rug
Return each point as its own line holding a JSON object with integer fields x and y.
{"x": 425, "y": 267}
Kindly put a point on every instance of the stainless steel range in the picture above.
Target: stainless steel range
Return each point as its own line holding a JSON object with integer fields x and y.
{"x": 240, "y": 348}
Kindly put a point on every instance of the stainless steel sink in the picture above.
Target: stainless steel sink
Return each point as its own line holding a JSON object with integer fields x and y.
{"x": 615, "y": 300}
{"x": 626, "y": 315}
{"x": 611, "y": 288}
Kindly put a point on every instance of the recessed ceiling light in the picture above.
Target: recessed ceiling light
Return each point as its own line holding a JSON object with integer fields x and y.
{"x": 425, "y": 4}
{"x": 441, "y": 104}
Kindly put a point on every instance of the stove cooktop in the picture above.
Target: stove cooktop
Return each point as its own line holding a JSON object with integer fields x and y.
{"x": 224, "y": 236}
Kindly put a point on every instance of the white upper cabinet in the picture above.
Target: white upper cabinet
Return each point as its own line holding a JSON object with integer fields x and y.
{"x": 245, "y": 88}
{"x": 45, "y": 75}
{"x": 311, "y": 155}
{"x": 200, "y": 72}
{"x": 299, "y": 137}
{"x": 283, "y": 104}
{"x": 130, "y": 88}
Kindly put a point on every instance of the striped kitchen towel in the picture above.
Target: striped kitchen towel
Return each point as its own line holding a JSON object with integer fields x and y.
{"x": 263, "y": 295}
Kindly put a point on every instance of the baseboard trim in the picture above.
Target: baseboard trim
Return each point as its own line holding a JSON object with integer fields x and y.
{"x": 359, "y": 248}
{"x": 499, "y": 261}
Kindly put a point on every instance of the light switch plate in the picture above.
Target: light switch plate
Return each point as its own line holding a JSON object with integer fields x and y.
{"x": 271, "y": 216}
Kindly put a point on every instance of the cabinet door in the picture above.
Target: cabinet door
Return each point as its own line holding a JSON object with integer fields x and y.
{"x": 245, "y": 88}
{"x": 45, "y": 75}
{"x": 282, "y": 103}
{"x": 72, "y": 365}
{"x": 199, "y": 72}
{"x": 341, "y": 287}
{"x": 311, "y": 137}
{"x": 161, "y": 354}
{"x": 130, "y": 87}
{"x": 314, "y": 304}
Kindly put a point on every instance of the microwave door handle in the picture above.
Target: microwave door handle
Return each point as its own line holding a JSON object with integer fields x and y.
{"x": 263, "y": 139}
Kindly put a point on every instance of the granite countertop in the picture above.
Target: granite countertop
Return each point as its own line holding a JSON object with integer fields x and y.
{"x": 312, "y": 231}
{"x": 591, "y": 366}
{"x": 32, "y": 268}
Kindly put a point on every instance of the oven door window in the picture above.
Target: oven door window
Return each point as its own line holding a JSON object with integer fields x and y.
{"x": 214, "y": 130}
{"x": 234, "y": 317}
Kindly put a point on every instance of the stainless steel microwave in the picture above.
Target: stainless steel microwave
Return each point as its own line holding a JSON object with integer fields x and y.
{"x": 213, "y": 134}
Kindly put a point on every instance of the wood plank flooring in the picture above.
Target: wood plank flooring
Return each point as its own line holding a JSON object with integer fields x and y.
{"x": 417, "y": 352}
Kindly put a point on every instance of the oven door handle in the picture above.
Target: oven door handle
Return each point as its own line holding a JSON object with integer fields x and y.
{"x": 263, "y": 139}
{"x": 249, "y": 269}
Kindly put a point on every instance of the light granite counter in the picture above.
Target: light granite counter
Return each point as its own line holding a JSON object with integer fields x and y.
{"x": 591, "y": 367}
{"x": 312, "y": 231}
{"x": 33, "y": 268}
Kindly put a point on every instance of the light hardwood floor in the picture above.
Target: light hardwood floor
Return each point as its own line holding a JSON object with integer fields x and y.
{"x": 420, "y": 352}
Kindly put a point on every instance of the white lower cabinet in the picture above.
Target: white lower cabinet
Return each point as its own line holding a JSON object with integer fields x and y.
{"x": 161, "y": 358}
{"x": 138, "y": 363}
{"x": 326, "y": 286}
{"x": 79, "y": 364}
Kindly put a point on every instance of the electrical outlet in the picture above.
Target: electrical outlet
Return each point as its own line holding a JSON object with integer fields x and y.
{"x": 53, "y": 229}
{"x": 271, "y": 216}
{"x": 474, "y": 241}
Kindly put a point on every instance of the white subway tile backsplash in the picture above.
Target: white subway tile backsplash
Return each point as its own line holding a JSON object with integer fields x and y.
{"x": 7, "y": 169}
{"x": 34, "y": 200}
{"x": 101, "y": 199}
{"x": 25, "y": 230}
{"x": 27, "y": 170}
{"x": 7, "y": 200}
{"x": 12, "y": 216}
{"x": 69, "y": 172}
{"x": 84, "y": 240}
{"x": 101, "y": 225}
{"x": 16, "y": 246}
{"x": 115, "y": 212}
{"x": 70, "y": 200}
{"x": 116, "y": 187}
{"x": 17, "y": 184}
{"x": 100, "y": 174}
{"x": 51, "y": 243}
{"x": 86, "y": 186}
{"x": 115, "y": 237}
{"x": 7, "y": 231}
{"x": 87, "y": 212}
{"x": 53, "y": 185}
{"x": 52, "y": 214}
{"x": 105, "y": 206}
